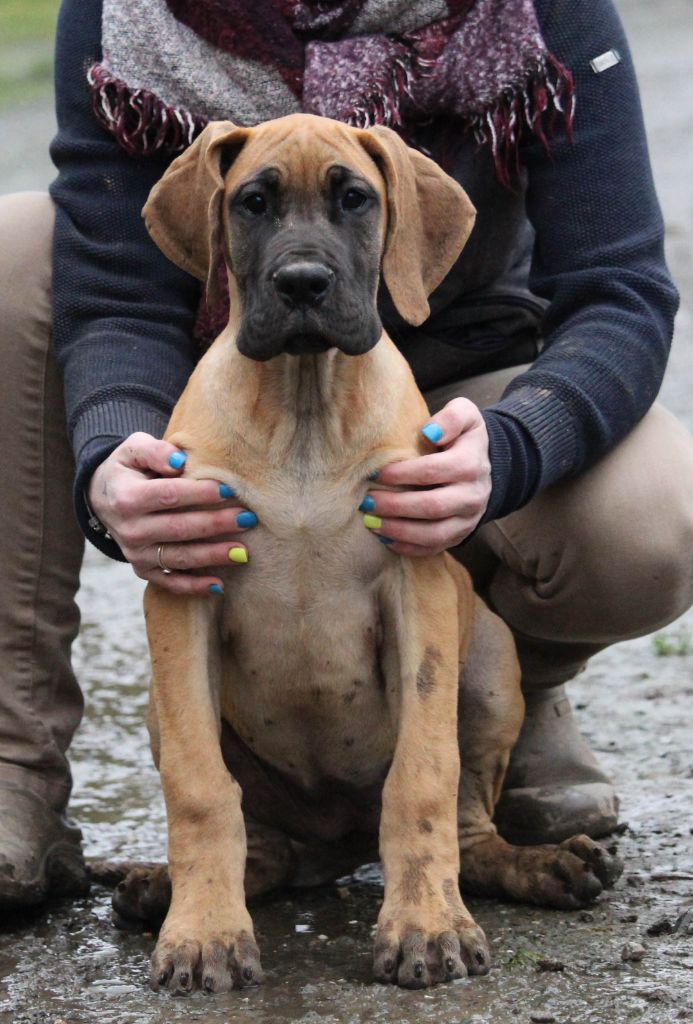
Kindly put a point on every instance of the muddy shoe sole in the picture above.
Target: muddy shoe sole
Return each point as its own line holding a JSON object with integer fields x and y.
{"x": 550, "y": 814}
{"x": 40, "y": 852}
{"x": 62, "y": 874}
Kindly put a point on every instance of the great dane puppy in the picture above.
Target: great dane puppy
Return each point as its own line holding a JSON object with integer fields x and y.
{"x": 336, "y": 692}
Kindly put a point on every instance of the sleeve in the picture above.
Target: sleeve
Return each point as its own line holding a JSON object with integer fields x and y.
{"x": 598, "y": 258}
{"x": 123, "y": 314}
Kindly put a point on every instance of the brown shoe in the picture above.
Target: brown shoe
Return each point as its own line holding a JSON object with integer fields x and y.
{"x": 554, "y": 787}
{"x": 40, "y": 851}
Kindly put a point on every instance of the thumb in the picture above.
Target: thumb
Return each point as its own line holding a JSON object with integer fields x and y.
{"x": 454, "y": 419}
{"x": 149, "y": 454}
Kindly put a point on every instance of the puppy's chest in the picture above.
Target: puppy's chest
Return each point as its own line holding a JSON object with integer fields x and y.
{"x": 310, "y": 543}
{"x": 301, "y": 635}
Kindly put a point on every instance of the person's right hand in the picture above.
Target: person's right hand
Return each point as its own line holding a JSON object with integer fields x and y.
{"x": 140, "y": 497}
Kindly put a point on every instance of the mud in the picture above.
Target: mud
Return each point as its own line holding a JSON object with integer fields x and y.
{"x": 69, "y": 965}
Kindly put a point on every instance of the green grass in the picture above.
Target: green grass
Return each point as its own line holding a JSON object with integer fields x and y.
{"x": 27, "y": 30}
{"x": 23, "y": 21}
{"x": 525, "y": 958}
{"x": 667, "y": 644}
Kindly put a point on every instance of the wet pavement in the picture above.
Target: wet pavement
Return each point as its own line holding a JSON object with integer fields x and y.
{"x": 634, "y": 705}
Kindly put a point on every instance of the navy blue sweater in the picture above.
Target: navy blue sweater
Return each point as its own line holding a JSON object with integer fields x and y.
{"x": 123, "y": 314}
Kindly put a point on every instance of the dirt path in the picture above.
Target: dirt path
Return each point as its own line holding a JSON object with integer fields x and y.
{"x": 634, "y": 705}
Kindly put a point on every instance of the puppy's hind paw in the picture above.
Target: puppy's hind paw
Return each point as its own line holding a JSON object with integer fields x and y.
{"x": 141, "y": 899}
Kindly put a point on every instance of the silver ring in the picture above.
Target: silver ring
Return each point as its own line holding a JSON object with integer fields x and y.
{"x": 160, "y": 562}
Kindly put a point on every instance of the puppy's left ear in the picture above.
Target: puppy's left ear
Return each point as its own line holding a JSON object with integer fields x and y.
{"x": 183, "y": 211}
{"x": 430, "y": 218}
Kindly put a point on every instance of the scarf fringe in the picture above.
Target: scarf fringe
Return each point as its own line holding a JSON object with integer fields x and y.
{"x": 141, "y": 122}
{"x": 384, "y": 106}
{"x": 549, "y": 92}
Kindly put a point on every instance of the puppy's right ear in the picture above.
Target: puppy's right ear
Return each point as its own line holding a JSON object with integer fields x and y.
{"x": 183, "y": 211}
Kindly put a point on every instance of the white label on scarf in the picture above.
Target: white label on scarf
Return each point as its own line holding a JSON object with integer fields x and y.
{"x": 605, "y": 61}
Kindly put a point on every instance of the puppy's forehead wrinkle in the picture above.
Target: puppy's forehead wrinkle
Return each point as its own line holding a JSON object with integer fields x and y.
{"x": 304, "y": 155}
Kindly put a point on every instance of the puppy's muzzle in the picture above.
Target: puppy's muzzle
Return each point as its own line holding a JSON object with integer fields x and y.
{"x": 303, "y": 284}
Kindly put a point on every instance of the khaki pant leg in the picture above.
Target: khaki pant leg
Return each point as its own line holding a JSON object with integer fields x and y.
{"x": 604, "y": 557}
{"x": 40, "y": 544}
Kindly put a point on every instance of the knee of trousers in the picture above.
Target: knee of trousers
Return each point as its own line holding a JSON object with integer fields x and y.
{"x": 26, "y": 240}
{"x": 609, "y": 555}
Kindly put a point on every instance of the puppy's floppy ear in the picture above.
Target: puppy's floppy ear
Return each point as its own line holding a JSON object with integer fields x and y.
{"x": 183, "y": 211}
{"x": 430, "y": 218}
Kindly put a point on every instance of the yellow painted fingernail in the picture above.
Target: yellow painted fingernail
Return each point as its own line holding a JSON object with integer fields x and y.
{"x": 372, "y": 522}
{"x": 239, "y": 555}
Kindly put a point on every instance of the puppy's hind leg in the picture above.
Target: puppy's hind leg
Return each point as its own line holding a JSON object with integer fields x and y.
{"x": 567, "y": 876}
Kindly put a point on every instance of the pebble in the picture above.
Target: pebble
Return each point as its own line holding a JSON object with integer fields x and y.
{"x": 635, "y": 880}
{"x": 633, "y": 951}
{"x": 550, "y": 964}
{"x": 655, "y": 995}
{"x": 542, "y": 1018}
{"x": 662, "y": 926}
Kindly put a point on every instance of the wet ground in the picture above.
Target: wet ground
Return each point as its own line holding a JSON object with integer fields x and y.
{"x": 72, "y": 966}
{"x": 634, "y": 703}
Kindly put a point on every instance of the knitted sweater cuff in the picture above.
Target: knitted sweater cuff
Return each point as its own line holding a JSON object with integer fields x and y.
{"x": 99, "y": 430}
{"x": 533, "y": 442}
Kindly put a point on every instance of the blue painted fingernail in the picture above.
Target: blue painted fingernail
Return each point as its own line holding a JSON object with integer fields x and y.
{"x": 177, "y": 460}
{"x": 385, "y": 540}
{"x": 433, "y": 432}
{"x": 215, "y": 588}
{"x": 246, "y": 519}
{"x": 374, "y": 475}
{"x": 367, "y": 505}
{"x": 225, "y": 491}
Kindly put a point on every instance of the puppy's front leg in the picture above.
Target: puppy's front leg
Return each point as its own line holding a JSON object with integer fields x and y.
{"x": 207, "y": 938}
{"x": 425, "y": 933}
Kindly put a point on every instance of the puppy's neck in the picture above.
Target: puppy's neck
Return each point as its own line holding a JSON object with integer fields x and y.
{"x": 319, "y": 407}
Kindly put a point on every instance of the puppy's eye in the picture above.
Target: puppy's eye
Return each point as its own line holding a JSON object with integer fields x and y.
{"x": 353, "y": 199}
{"x": 255, "y": 203}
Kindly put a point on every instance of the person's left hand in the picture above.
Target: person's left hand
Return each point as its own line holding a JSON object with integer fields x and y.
{"x": 456, "y": 482}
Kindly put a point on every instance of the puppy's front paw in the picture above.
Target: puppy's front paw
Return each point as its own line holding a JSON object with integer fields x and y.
{"x": 436, "y": 943}
{"x": 419, "y": 960}
{"x": 217, "y": 963}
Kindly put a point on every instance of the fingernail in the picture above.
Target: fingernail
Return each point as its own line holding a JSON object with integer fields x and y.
{"x": 433, "y": 432}
{"x": 372, "y": 522}
{"x": 239, "y": 555}
{"x": 177, "y": 460}
{"x": 385, "y": 540}
{"x": 216, "y": 588}
{"x": 225, "y": 491}
{"x": 246, "y": 519}
{"x": 367, "y": 505}
{"x": 374, "y": 475}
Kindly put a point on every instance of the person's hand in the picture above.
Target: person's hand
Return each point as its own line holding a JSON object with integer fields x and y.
{"x": 162, "y": 520}
{"x": 456, "y": 484}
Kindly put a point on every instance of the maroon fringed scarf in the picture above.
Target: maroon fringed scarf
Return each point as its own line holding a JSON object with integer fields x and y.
{"x": 170, "y": 66}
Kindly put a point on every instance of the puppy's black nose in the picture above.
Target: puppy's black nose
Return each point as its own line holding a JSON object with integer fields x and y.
{"x": 303, "y": 283}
